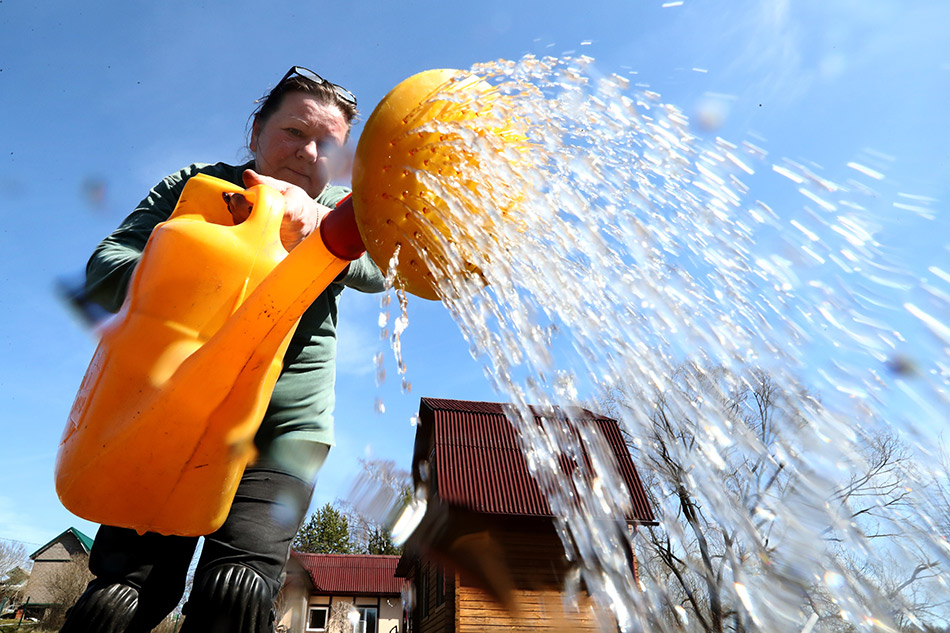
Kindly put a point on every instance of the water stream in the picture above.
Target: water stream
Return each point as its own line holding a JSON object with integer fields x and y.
{"x": 773, "y": 368}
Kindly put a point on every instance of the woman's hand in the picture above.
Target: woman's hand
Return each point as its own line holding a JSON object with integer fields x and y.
{"x": 301, "y": 214}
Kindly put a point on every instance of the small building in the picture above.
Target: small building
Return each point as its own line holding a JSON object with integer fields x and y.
{"x": 486, "y": 556}
{"x": 11, "y": 589}
{"x": 322, "y": 588}
{"x": 59, "y": 571}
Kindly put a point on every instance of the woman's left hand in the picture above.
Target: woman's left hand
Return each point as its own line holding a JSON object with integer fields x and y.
{"x": 301, "y": 214}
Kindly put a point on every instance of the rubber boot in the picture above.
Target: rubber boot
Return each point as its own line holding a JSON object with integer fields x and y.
{"x": 102, "y": 608}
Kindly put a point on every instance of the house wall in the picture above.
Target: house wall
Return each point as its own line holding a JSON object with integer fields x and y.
{"x": 538, "y": 567}
{"x": 47, "y": 565}
{"x": 37, "y": 587}
{"x": 434, "y": 612}
{"x": 539, "y": 610}
{"x": 390, "y": 614}
{"x": 292, "y": 608}
{"x": 388, "y": 609}
{"x": 62, "y": 550}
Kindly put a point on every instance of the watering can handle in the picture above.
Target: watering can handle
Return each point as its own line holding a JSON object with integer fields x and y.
{"x": 265, "y": 210}
{"x": 340, "y": 233}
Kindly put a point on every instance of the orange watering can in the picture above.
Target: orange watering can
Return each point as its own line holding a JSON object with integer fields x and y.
{"x": 164, "y": 420}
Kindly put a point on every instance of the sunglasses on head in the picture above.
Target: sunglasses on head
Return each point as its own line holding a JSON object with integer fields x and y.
{"x": 306, "y": 73}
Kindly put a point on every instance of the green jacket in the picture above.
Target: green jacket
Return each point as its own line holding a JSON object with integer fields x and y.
{"x": 299, "y": 418}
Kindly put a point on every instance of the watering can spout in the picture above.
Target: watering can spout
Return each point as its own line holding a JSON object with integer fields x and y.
{"x": 340, "y": 232}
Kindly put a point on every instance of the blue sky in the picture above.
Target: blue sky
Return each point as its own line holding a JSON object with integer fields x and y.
{"x": 99, "y": 101}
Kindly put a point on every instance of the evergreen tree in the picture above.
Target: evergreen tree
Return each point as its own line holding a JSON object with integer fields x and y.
{"x": 381, "y": 542}
{"x": 326, "y": 532}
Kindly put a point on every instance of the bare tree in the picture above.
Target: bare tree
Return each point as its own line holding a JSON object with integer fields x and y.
{"x": 373, "y": 503}
{"x": 12, "y": 554}
{"x": 701, "y": 560}
{"x": 339, "y": 621}
{"x": 938, "y": 489}
{"x": 14, "y": 563}
{"x": 715, "y": 449}
{"x": 64, "y": 586}
{"x": 880, "y": 486}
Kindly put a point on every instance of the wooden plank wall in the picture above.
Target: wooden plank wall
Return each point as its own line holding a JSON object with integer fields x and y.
{"x": 535, "y": 558}
{"x": 541, "y": 610}
{"x": 441, "y": 617}
{"x": 538, "y": 567}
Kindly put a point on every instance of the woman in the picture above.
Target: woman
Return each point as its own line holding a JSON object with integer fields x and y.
{"x": 297, "y": 131}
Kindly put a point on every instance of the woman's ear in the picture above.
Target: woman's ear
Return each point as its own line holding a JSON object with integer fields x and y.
{"x": 255, "y": 130}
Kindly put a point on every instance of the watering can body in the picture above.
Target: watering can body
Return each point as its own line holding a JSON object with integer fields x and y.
{"x": 164, "y": 421}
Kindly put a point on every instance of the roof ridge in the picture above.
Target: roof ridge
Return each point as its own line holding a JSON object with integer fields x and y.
{"x": 85, "y": 541}
{"x": 453, "y": 404}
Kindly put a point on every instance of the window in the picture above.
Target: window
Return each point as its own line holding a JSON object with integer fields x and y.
{"x": 439, "y": 586}
{"x": 423, "y": 596}
{"x": 367, "y": 619}
{"x": 317, "y": 619}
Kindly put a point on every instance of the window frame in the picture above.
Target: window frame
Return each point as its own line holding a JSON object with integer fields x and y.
{"x": 439, "y": 586}
{"x": 326, "y": 616}
{"x": 424, "y": 591}
{"x": 362, "y": 611}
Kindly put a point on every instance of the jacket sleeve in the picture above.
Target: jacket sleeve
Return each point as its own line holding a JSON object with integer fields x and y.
{"x": 364, "y": 275}
{"x": 112, "y": 262}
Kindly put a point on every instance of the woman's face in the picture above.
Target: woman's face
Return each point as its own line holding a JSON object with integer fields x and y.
{"x": 299, "y": 141}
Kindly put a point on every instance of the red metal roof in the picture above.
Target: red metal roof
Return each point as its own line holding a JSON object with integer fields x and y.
{"x": 479, "y": 465}
{"x": 351, "y": 574}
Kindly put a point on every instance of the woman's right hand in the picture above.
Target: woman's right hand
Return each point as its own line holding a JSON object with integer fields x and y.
{"x": 302, "y": 214}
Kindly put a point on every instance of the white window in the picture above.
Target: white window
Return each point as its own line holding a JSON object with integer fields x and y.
{"x": 368, "y": 619}
{"x": 317, "y": 618}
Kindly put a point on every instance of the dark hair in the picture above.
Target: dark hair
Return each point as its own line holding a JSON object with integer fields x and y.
{"x": 323, "y": 93}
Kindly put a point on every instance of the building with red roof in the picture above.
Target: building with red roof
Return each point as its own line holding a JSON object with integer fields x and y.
{"x": 321, "y": 585}
{"x": 486, "y": 555}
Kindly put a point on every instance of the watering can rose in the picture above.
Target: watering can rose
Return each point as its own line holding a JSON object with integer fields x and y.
{"x": 417, "y": 177}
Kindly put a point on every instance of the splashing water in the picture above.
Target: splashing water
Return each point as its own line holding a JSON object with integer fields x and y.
{"x": 761, "y": 356}
{"x": 399, "y": 326}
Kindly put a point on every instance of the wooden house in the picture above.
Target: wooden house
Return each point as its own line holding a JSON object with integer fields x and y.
{"x": 322, "y": 589}
{"x": 486, "y": 556}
